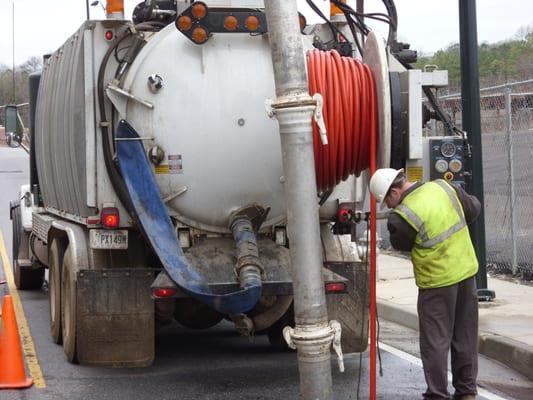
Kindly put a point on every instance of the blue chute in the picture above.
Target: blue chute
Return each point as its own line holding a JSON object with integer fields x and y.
{"x": 155, "y": 222}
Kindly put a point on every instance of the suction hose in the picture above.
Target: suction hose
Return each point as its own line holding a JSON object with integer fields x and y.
{"x": 248, "y": 266}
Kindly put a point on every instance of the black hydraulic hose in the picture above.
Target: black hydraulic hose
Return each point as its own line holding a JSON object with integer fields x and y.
{"x": 108, "y": 149}
{"x": 112, "y": 170}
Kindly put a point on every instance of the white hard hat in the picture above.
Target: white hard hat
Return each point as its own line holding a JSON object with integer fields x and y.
{"x": 381, "y": 182}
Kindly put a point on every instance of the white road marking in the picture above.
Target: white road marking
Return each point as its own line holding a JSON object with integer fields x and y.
{"x": 417, "y": 361}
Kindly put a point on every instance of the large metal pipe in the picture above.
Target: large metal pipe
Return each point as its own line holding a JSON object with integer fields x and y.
{"x": 312, "y": 335}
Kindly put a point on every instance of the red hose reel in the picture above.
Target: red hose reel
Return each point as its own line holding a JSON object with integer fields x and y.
{"x": 350, "y": 115}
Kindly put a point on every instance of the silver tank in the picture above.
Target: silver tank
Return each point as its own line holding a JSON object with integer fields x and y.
{"x": 221, "y": 149}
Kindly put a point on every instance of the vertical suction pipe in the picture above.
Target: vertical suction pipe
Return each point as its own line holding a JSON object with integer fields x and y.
{"x": 294, "y": 108}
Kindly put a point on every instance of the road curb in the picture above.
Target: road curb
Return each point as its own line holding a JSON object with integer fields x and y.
{"x": 514, "y": 354}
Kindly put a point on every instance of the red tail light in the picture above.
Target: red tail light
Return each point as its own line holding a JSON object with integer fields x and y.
{"x": 335, "y": 287}
{"x": 344, "y": 215}
{"x": 164, "y": 292}
{"x": 110, "y": 217}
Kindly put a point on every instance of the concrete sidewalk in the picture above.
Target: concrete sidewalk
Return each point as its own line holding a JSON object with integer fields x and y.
{"x": 505, "y": 324}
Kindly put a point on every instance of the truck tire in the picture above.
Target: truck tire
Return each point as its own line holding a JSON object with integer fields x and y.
{"x": 275, "y": 332}
{"x": 30, "y": 278}
{"x": 68, "y": 306}
{"x": 55, "y": 260}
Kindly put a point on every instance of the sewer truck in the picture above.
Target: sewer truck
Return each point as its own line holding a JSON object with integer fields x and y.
{"x": 157, "y": 188}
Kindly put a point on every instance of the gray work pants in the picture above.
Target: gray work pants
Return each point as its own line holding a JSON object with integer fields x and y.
{"x": 448, "y": 319}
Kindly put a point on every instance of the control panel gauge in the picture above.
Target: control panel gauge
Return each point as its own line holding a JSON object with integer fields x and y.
{"x": 448, "y": 149}
{"x": 447, "y": 159}
{"x": 456, "y": 165}
{"x": 441, "y": 166}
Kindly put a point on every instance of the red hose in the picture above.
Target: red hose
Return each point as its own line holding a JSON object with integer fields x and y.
{"x": 351, "y": 118}
{"x": 348, "y": 89}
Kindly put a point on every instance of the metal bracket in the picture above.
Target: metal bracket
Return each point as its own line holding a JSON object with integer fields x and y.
{"x": 139, "y": 138}
{"x": 124, "y": 93}
{"x": 269, "y": 109}
{"x": 175, "y": 194}
{"x": 337, "y": 330}
{"x": 319, "y": 117}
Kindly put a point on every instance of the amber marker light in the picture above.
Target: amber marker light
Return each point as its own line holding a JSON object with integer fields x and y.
{"x": 231, "y": 23}
{"x": 302, "y": 20}
{"x": 199, "y": 35}
{"x": 184, "y": 23}
{"x": 336, "y": 10}
{"x": 115, "y": 6}
{"x": 252, "y": 23}
{"x": 198, "y": 10}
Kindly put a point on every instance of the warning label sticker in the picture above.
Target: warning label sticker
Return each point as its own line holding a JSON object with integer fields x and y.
{"x": 415, "y": 174}
{"x": 175, "y": 164}
{"x": 162, "y": 169}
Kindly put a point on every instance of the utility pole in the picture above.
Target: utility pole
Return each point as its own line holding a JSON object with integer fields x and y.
{"x": 87, "y": 8}
{"x": 472, "y": 125}
{"x": 14, "y": 97}
{"x": 294, "y": 108}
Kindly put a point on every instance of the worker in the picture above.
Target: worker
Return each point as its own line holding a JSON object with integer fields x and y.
{"x": 430, "y": 220}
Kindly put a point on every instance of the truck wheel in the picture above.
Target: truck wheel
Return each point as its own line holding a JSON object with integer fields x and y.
{"x": 193, "y": 314}
{"x": 54, "y": 290}
{"x": 25, "y": 278}
{"x": 68, "y": 306}
{"x": 275, "y": 332}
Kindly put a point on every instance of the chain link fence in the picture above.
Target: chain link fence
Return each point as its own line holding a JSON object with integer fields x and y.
{"x": 507, "y": 141}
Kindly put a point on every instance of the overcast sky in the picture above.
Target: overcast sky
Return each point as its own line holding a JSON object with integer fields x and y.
{"x": 42, "y": 26}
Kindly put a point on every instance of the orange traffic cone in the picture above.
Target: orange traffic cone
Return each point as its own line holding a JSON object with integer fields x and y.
{"x": 12, "y": 374}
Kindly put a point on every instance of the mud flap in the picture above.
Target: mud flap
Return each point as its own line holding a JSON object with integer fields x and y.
{"x": 351, "y": 308}
{"x": 115, "y": 317}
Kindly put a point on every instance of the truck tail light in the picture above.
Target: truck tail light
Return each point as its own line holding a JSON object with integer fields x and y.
{"x": 335, "y": 287}
{"x": 110, "y": 217}
{"x": 343, "y": 215}
{"x": 162, "y": 293}
{"x": 109, "y": 35}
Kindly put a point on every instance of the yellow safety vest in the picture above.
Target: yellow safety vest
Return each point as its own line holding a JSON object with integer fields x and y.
{"x": 443, "y": 253}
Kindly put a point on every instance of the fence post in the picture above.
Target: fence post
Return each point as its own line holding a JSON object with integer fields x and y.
{"x": 509, "y": 136}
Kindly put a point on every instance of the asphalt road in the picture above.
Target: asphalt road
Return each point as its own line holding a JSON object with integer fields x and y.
{"x": 217, "y": 363}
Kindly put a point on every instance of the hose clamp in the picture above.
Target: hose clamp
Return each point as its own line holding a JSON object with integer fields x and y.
{"x": 316, "y": 339}
{"x": 318, "y": 116}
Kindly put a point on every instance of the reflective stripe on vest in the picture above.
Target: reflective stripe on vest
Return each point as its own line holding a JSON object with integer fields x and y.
{"x": 425, "y": 241}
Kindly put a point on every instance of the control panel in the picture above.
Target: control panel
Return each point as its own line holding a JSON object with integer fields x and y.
{"x": 443, "y": 157}
{"x": 446, "y": 159}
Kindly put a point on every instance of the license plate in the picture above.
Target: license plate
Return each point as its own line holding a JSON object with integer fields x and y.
{"x": 108, "y": 239}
